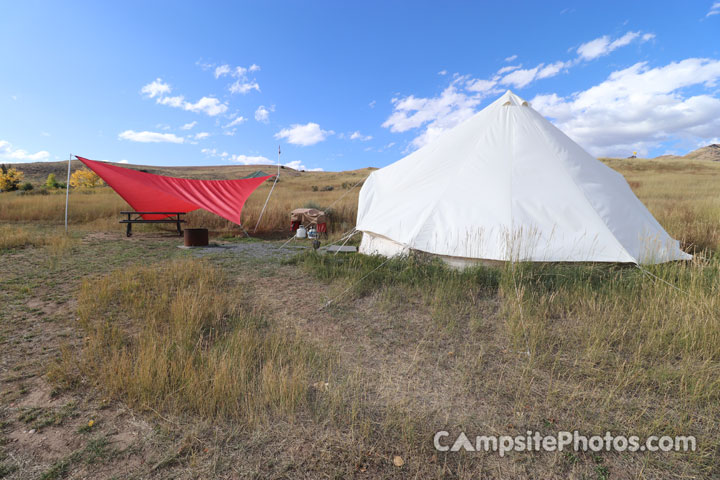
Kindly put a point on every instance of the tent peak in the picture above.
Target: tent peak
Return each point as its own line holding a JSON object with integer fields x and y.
{"x": 509, "y": 99}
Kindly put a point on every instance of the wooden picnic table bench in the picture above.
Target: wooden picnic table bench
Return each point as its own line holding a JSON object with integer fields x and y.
{"x": 138, "y": 219}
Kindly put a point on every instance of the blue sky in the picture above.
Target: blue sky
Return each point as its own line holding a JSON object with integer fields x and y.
{"x": 344, "y": 85}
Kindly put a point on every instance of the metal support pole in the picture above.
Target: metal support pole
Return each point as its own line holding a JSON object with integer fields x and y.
{"x": 67, "y": 194}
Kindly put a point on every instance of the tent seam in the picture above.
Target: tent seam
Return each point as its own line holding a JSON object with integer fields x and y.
{"x": 592, "y": 207}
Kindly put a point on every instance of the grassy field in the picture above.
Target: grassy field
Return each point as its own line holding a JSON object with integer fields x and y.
{"x": 100, "y": 207}
{"x": 135, "y": 356}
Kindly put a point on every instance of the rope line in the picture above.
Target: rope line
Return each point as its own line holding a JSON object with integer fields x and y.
{"x": 662, "y": 280}
{"x": 349, "y": 190}
{"x": 346, "y": 240}
{"x": 270, "y": 193}
{"x": 266, "y": 202}
{"x": 288, "y": 241}
{"x": 329, "y": 302}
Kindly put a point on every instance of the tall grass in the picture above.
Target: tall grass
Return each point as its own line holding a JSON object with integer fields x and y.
{"x": 601, "y": 317}
{"x": 14, "y": 236}
{"x": 644, "y": 343}
{"x": 682, "y": 195}
{"x": 179, "y": 337}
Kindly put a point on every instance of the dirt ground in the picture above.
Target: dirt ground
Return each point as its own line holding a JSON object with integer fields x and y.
{"x": 445, "y": 377}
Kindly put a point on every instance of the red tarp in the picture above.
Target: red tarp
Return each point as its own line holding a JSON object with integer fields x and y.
{"x": 147, "y": 192}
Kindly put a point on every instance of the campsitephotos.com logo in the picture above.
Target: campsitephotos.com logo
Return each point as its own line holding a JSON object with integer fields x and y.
{"x": 537, "y": 442}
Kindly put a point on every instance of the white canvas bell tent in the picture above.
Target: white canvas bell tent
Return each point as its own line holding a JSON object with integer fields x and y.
{"x": 508, "y": 185}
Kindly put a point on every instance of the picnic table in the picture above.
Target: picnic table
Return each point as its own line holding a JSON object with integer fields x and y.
{"x": 137, "y": 218}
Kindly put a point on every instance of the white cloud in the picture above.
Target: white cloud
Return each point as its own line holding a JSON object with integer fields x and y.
{"x": 714, "y": 9}
{"x": 250, "y": 160}
{"x": 481, "y": 86}
{"x": 523, "y": 77}
{"x": 603, "y": 45}
{"x": 176, "y": 102}
{"x": 262, "y": 114}
{"x": 150, "y": 137}
{"x": 356, "y": 135}
{"x": 237, "y": 158}
{"x": 298, "y": 165}
{"x": 460, "y": 99}
{"x": 243, "y": 86}
{"x": 305, "y": 135}
{"x": 509, "y": 68}
{"x": 208, "y": 105}
{"x": 10, "y": 154}
{"x": 372, "y": 104}
{"x": 638, "y": 108}
{"x": 123, "y": 161}
{"x": 188, "y": 126}
{"x": 201, "y": 135}
{"x": 552, "y": 69}
{"x": 237, "y": 121}
{"x": 436, "y": 114}
{"x": 517, "y": 77}
{"x": 222, "y": 70}
{"x": 520, "y": 78}
{"x": 155, "y": 88}
{"x": 442, "y": 72}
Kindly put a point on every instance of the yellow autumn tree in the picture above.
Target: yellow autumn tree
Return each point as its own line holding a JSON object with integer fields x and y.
{"x": 10, "y": 178}
{"x": 85, "y": 179}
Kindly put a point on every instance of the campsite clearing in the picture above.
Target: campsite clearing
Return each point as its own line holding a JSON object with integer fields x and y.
{"x": 412, "y": 349}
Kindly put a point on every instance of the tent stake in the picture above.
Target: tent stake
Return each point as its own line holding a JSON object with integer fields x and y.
{"x": 67, "y": 194}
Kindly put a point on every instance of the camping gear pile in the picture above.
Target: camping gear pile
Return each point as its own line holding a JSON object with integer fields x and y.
{"x": 312, "y": 221}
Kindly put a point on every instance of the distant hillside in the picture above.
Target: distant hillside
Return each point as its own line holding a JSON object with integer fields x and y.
{"x": 38, "y": 172}
{"x": 711, "y": 153}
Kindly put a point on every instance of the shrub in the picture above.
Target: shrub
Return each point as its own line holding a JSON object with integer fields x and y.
{"x": 51, "y": 182}
{"x": 10, "y": 179}
{"x": 85, "y": 178}
{"x": 26, "y": 187}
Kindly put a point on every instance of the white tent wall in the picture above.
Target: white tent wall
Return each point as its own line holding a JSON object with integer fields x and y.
{"x": 508, "y": 185}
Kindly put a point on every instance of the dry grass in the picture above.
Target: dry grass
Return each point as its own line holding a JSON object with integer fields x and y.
{"x": 681, "y": 194}
{"x": 592, "y": 348}
{"x": 99, "y": 208}
{"x": 179, "y": 338}
{"x": 15, "y": 236}
{"x": 414, "y": 347}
